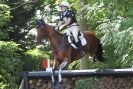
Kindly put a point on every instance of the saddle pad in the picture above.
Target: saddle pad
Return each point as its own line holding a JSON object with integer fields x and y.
{"x": 81, "y": 38}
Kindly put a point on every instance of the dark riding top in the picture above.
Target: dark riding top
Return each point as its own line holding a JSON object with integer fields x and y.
{"x": 68, "y": 14}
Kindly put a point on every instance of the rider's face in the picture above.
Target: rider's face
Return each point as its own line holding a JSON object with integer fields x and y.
{"x": 63, "y": 8}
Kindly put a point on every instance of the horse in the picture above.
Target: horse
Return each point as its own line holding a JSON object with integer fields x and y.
{"x": 63, "y": 52}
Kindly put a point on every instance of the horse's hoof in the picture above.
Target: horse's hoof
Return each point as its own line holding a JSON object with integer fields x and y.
{"x": 60, "y": 81}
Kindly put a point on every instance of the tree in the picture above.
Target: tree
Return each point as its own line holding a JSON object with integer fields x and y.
{"x": 113, "y": 23}
{"x": 24, "y": 19}
{"x": 83, "y": 27}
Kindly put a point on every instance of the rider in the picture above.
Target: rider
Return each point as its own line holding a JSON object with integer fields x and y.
{"x": 68, "y": 19}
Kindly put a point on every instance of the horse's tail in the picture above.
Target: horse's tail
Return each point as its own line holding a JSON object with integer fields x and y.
{"x": 99, "y": 53}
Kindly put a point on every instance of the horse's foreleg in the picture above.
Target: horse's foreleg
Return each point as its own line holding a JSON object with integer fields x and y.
{"x": 55, "y": 64}
{"x": 55, "y": 67}
{"x": 63, "y": 65}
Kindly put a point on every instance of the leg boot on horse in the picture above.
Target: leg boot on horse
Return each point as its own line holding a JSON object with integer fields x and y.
{"x": 62, "y": 66}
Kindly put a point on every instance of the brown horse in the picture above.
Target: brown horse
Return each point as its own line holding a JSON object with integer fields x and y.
{"x": 63, "y": 52}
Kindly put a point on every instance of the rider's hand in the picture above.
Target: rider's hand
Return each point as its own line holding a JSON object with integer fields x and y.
{"x": 56, "y": 28}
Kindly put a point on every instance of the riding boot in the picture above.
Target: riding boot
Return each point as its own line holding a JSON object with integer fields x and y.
{"x": 79, "y": 48}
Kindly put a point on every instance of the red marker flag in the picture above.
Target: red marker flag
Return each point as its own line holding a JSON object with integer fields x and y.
{"x": 44, "y": 63}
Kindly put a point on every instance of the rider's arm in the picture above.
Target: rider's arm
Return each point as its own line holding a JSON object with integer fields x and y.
{"x": 65, "y": 24}
{"x": 60, "y": 20}
{"x": 59, "y": 24}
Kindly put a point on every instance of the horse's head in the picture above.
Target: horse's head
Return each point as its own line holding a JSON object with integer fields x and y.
{"x": 41, "y": 31}
{"x": 44, "y": 30}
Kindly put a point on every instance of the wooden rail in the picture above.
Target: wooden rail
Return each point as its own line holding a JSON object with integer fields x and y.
{"x": 77, "y": 73}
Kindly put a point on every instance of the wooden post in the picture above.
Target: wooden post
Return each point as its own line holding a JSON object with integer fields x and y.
{"x": 26, "y": 80}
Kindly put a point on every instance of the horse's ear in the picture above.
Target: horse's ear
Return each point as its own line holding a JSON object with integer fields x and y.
{"x": 41, "y": 23}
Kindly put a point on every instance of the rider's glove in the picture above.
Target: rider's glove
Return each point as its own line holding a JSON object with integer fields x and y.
{"x": 56, "y": 28}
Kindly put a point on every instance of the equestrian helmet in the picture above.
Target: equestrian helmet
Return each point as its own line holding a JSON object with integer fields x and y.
{"x": 65, "y": 4}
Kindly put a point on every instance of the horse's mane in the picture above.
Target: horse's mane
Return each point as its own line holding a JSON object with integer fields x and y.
{"x": 53, "y": 28}
{"x": 61, "y": 37}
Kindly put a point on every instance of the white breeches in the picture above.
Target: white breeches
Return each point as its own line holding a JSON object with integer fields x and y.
{"x": 74, "y": 30}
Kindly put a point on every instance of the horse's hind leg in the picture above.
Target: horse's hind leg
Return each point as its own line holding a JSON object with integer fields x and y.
{"x": 99, "y": 53}
{"x": 94, "y": 59}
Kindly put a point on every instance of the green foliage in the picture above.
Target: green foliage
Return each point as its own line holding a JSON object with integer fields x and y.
{"x": 74, "y": 65}
{"x": 19, "y": 25}
{"x": 119, "y": 44}
{"x": 4, "y": 18}
{"x": 34, "y": 58}
{"x": 113, "y": 20}
{"x": 10, "y": 65}
{"x": 4, "y": 14}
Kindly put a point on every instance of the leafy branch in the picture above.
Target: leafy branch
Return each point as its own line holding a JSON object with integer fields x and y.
{"x": 23, "y": 4}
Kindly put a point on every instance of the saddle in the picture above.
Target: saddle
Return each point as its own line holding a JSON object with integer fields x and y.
{"x": 81, "y": 39}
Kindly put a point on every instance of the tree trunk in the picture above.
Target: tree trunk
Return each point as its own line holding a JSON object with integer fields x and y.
{"x": 83, "y": 27}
